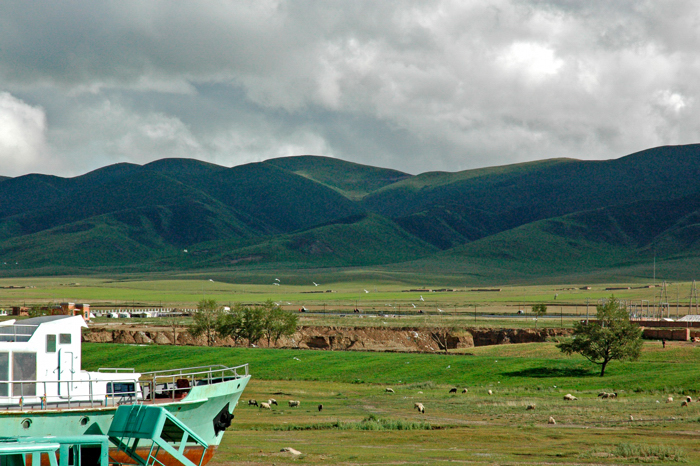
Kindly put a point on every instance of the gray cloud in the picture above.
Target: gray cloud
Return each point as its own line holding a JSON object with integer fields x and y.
{"x": 415, "y": 86}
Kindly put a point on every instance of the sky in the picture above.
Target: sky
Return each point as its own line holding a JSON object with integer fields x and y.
{"x": 411, "y": 85}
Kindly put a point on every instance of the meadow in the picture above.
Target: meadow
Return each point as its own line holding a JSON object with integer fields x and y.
{"x": 361, "y": 423}
{"x": 342, "y": 296}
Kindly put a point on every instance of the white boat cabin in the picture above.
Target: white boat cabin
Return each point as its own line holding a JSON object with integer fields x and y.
{"x": 40, "y": 365}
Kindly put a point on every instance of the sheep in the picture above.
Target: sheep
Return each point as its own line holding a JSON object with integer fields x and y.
{"x": 551, "y": 420}
{"x": 603, "y": 394}
{"x": 294, "y": 404}
{"x": 420, "y": 407}
{"x": 464, "y": 390}
{"x": 320, "y": 408}
{"x": 570, "y": 397}
{"x": 453, "y": 390}
{"x": 612, "y": 395}
{"x": 389, "y": 390}
{"x": 684, "y": 404}
{"x": 530, "y": 407}
{"x": 689, "y": 399}
{"x": 264, "y": 406}
{"x": 490, "y": 392}
{"x": 669, "y": 399}
{"x": 272, "y": 401}
{"x": 252, "y": 403}
{"x": 631, "y": 418}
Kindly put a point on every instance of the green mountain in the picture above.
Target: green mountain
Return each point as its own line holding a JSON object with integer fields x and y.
{"x": 350, "y": 179}
{"x": 552, "y": 218}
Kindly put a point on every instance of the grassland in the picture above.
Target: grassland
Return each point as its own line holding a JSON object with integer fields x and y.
{"x": 471, "y": 428}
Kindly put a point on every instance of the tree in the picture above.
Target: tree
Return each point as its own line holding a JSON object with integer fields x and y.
{"x": 243, "y": 322}
{"x": 206, "y": 320}
{"x": 443, "y": 337}
{"x": 278, "y": 322}
{"x": 611, "y": 337}
{"x": 539, "y": 310}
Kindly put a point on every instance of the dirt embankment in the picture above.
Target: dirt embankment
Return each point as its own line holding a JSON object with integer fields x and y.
{"x": 339, "y": 338}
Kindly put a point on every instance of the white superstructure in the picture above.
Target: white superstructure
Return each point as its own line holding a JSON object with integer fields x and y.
{"x": 40, "y": 364}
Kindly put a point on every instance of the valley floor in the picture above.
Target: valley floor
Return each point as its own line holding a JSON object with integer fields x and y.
{"x": 472, "y": 428}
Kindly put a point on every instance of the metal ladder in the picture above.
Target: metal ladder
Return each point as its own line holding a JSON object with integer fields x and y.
{"x": 165, "y": 432}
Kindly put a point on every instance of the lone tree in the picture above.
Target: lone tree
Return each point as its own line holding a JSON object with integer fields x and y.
{"x": 539, "y": 310}
{"x": 611, "y": 337}
{"x": 206, "y": 320}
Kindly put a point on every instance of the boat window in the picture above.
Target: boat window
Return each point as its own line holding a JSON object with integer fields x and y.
{"x": 50, "y": 343}
{"x": 23, "y": 368}
{"x": 4, "y": 373}
{"x": 64, "y": 339}
{"x": 121, "y": 387}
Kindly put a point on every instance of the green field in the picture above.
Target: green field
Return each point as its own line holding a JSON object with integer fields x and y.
{"x": 341, "y": 294}
{"x": 471, "y": 428}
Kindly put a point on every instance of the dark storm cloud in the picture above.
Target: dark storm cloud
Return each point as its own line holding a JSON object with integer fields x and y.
{"x": 415, "y": 86}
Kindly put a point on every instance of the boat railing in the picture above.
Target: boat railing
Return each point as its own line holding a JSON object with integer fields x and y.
{"x": 176, "y": 383}
{"x": 158, "y": 386}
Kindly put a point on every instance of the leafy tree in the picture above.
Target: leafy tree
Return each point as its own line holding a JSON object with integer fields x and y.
{"x": 539, "y": 310}
{"x": 206, "y": 320}
{"x": 611, "y": 337}
{"x": 244, "y": 322}
{"x": 278, "y": 322}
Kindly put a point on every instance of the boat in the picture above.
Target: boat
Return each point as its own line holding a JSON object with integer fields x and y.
{"x": 44, "y": 392}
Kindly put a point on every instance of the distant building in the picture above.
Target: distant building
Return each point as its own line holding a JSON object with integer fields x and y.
{"x": 72, "y": 309}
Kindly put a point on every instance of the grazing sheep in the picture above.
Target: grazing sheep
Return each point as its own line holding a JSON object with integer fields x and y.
{"x": 272, "y": 401}
{"x": 252, "y": 403}
{"x": 420, "y": 407}
{"x": 453, "y": 390}
{"x": 603, "y": 394}
{"x": 689, "y": 399}
{"x": 669, "y": 399}
{"x": 294, "y": 404}
{"x": 530, "y": 407}
{"x": 490, "y": 392}
{"x": 631, "y": 418}
{"x": 265, "y": 406}
{"x": 684, "y": 404}
{"x": 613, "y": 395}
{"x": 551, "y": 420}
{"x": 320, "y": 408}
{"x": 464, "y": 390}
{"x": 389, "y": 390}
{"x": 570, "y": 397}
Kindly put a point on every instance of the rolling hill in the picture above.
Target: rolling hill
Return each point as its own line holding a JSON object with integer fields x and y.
{"x": 550, "y": 218}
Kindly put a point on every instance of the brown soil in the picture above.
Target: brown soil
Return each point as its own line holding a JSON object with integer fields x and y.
{"x": 337, "y": 338}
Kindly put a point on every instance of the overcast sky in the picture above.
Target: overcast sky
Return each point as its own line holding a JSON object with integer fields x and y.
{"x": 415, "y": 86}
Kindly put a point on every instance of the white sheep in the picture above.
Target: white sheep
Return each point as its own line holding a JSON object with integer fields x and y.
{"x": 570, "y": 397}
{"x": 490, "y": 392}
{"x": 669, "y": 399}
{"x": 551, "y": 420}
{"x": 389, "y": 390}
{"x": 294, "y": 404}
{"x": 264, "y": 405}
{"x": 689, "y": 399}
{"x": 530, "y": 407}
{"x": 272, "y": 401}
{"x": 419, "y": 407}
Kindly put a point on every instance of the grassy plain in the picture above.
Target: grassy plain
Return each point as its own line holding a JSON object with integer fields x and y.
{"x": 339, "y": 296}
{"x": 471, "y": 428}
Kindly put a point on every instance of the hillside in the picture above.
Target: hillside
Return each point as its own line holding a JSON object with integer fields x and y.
{"x": 350, "y": 179}
{"x": 552, "y": 218}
